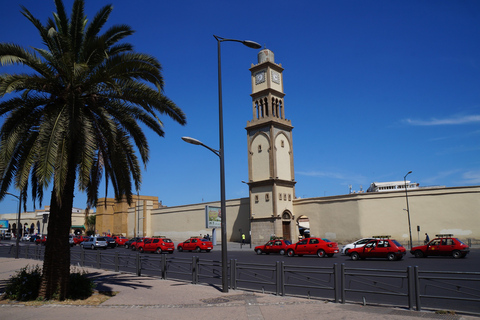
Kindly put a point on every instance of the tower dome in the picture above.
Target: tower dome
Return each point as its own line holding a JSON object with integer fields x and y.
{"x": 266, "y": 55}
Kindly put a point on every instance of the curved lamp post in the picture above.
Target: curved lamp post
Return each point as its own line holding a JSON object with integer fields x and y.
{"x": 220, "y": 153}
{"x": 408, "y": 210}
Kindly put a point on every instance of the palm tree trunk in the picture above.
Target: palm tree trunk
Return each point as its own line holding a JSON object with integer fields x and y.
{"x": 56, "y": 263}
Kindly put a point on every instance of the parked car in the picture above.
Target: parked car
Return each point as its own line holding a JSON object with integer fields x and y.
{"x": 157, "y": 245}
{"x": 318, "y": 246}
{"x": 379, "y": 248}
{"x": 195, "y": 243}
{"x": 128, "y": 244}
{"x": 356, "y": 244}
{"x": 6, "y": 236}
{"x": 94, "y": 243}
{"x": 273, "y": 246}
{"x": 442, "y": 245}
{"x": 120, "y": 240}
{"x": 80, "y": 238}
{"x": 111, "y": 243}
{"x": 135, "y": 243}
{"x": 26, "y": 237}
{"x": 41, "y": 240}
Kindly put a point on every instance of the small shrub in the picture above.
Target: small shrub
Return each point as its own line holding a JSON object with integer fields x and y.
{"x": 81, "y": 287}
{"x": 25, "y": 284}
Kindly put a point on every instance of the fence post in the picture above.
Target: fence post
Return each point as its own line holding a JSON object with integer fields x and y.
{"x": 280, "y": 278}
{"x": 99, "y": 259}
{"x": 335, "y": 282}
{"x": 164, "y": 266}
{"x": 233, "y": 274}
{"x": 82, "y": 257}
{"x": 194, "y": 270}
{"x": 411, "y": 292}
{"x": 139, "y": 265}
{"x": 117, "y": 262}
{"x": 342, "y": 282}
{"x": 417, "y": 289}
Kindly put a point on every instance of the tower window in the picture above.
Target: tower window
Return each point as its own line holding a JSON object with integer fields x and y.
{"x": 282, "y": 143}
{"x": 289, "y": 197}
{"x": 259, "y": 148}
{"x": 267, "y": 197}
{"x": 285, "y": 196}
{"x": 280, "y": 196}
{"x": 256, "y": 198}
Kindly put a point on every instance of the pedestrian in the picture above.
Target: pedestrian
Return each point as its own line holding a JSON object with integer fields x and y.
{"x": 243, "y": 238}
{"x": 427, "y": 238}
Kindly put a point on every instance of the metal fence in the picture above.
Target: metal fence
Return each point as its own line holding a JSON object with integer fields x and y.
{"x": 412, "y": 288}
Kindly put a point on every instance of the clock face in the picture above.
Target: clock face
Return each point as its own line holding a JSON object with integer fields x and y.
{"x": 276, "y": 77}
{"x": 260, "y": 77}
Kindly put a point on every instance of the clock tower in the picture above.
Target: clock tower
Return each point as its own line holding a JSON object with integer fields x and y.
{"x": 271, "y": 178}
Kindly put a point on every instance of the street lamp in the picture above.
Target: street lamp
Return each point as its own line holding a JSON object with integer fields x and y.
{"x": 221, "y": 155}
{"x": 408, "y": 211}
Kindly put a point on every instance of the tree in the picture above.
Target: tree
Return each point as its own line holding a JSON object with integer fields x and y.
{"x": 76, "y": 120}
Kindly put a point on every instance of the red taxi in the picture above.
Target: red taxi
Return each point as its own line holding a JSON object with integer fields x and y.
{"x": 41, "y": 240}
{"x": 442, "y": 245}
{"x": 195, "y": 243}
{"x": 120, "y": 240}
{"x": 273, "y": 246}
{"x": 79, "y": 239}
{"x": 134, "y": 245}
{"x": 379, "y": 248}
{"x": 318, "y": 246}
{"x": 157, "y": 245}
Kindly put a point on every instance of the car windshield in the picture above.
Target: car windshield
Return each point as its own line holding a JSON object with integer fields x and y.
{"x": 167, "y": 240}
{"x": 460, "y": 241}
{"x": 101, "y": 239}
{"x": 326, "y": 240}
{"x": 396, "y": 242}
{"x": 287, "y": 242}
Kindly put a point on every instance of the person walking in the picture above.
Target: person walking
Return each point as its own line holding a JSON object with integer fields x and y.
{"x": 243, "y": 239}
{"x": 427, "y": 238}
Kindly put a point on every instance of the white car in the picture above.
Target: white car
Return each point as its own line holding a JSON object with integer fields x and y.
{"x": 356, "y": 244}
{"x": 26, "y": 237}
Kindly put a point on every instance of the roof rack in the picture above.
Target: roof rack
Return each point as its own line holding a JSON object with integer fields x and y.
{"x": 448, "y": 235}
{"x": 382, "y": 237}
{"x": 158, "y": 237}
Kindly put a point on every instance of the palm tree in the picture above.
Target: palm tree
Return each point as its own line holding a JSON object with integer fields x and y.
{"x": 75, "y": 119}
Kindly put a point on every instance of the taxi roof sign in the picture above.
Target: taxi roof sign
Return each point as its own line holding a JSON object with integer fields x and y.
{"x": 448, "y": 235}
{"x": 382, "y": 237}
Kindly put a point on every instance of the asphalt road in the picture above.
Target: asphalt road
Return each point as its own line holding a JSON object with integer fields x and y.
{"x": 388, "y": 277}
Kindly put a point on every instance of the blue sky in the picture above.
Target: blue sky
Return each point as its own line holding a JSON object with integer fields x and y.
{"x": 374, "y": 89}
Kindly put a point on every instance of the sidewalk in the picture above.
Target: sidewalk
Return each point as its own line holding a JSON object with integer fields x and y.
{"x": 153, "y": 298}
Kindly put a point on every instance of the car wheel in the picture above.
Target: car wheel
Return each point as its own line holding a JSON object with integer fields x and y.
{"x": 140, "y": 249}
{"x": 282, "y": 252}
{"x": 258, "y": 251}
{"x": 290, "y": 253}
{"x": 180, "y": 249}
{"x": 355, "y": 256}
{"x": 390, "y": 256}
{"x": 93, "y": 247}
{"x": 321, "y": 253}
{"x": 159, "y": 250}
{"x": 419, "y": 254}
{"x": 456, "y": 254}
{"x": 197, "y": 249}
{"x": 126, "y": 246}
{"x": 346, "y": 252}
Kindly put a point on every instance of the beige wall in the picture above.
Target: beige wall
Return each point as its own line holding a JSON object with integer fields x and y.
{"x": 181, "y": 222}
{"x": 349, "y": 217}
